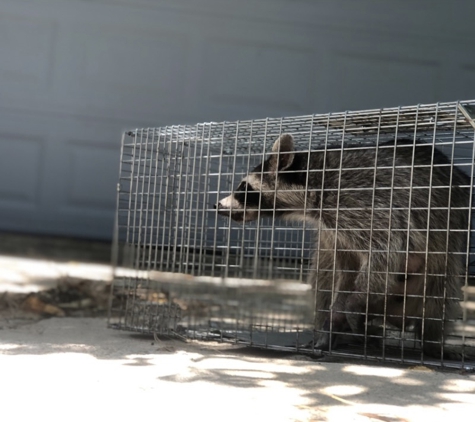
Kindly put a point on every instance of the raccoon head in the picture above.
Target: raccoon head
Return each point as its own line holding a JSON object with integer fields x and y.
{"x": 275, "y": 187}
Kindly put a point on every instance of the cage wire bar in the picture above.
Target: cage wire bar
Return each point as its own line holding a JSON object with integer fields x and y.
{"x": 182, "y": 270}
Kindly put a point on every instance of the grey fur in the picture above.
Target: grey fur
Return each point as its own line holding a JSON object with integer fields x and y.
{"x": 367, "y": 264}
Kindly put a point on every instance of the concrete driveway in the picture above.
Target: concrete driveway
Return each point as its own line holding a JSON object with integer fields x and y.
{"x": 76, "y": 369}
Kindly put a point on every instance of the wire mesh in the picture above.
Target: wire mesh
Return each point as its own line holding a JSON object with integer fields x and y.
{"x": 218, "y": 225}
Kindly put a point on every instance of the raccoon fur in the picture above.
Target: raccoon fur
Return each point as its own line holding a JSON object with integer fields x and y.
{"x": 391, "y": 231}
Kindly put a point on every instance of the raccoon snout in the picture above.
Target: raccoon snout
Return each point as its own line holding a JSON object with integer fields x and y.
{"x": 222, "y": 209}
{"x": 219, "y": 206}
{"x": 228, "y": 203}
{"x": 229, "y": 207}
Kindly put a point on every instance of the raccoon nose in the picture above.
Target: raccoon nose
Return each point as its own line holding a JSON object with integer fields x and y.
{"x": 217, "y": 206}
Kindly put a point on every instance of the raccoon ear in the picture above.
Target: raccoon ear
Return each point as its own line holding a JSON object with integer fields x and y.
{"x": 283, "y": 149}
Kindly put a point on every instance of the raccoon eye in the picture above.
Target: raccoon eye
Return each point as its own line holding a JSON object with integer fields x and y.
{"x": 244, "y": 186}
{"x": 247, "y": 196}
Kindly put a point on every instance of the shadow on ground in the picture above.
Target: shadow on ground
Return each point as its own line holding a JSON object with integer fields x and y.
{"x": 209, "y": 376}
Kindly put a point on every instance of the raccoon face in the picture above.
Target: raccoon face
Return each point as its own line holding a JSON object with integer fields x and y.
{"x": 243, "y": 204}
{"x": 273, "y": 188}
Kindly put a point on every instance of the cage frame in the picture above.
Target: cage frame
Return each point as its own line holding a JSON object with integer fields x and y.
{"x": 360, "y": 125}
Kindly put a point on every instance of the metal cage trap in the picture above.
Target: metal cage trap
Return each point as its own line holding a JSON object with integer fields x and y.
{"x": 219, "y": 224}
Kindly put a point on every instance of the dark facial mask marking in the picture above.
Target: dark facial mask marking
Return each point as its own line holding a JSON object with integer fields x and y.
{"x": 247, "y": 196}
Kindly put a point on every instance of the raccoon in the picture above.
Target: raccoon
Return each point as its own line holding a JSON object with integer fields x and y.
{"x": 391, "y": 231}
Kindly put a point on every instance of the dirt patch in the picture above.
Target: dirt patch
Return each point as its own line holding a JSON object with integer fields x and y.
{"x": 69, "y": 298}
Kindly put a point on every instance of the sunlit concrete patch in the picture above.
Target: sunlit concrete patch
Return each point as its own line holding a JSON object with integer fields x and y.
{"x": 387, "y": 413}
{"x": 344, "y": 390}
{"x": 8, "y": 346}
{"x": 374, "y": 371}
{"x": 459, "y": 385}
{"x": 406, "y": 381}
{"x": 233, "y": 364}
{"x": 21, "y": 275}
{"x": 467, "y": 398}
{"x": 24, "y": 275}
{"x": 249, "y": 374}
{"x": 460, "y": 411}
{"x": 80, "y": 383}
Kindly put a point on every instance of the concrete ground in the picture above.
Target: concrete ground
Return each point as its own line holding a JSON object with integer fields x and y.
{"x": 76, "y": 369}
